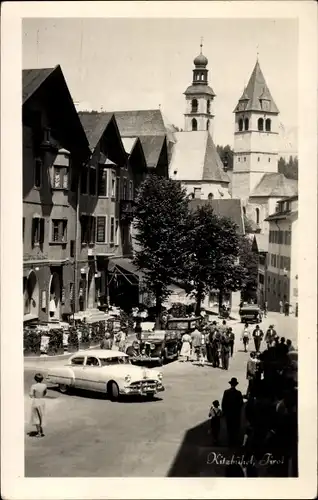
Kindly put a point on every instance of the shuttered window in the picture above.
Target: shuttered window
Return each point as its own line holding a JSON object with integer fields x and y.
{"x": 59, "y": 230}
{"x": 101, "y": 229}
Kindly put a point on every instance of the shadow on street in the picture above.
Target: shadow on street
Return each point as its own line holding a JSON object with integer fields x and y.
{"x": 78, "y": 393}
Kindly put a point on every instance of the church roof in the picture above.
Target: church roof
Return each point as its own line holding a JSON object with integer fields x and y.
{"x": 230, "y": 208}
{"x": 194, "y": 157}
{"x": 140, "y": 122}
{"x": 257, "y": 90}
{"x": 275, "y": 185}
{"x": 32, "y": 79}
{"x": 199, "y": 89}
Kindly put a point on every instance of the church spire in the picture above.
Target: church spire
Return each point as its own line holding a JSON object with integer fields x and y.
{"x": 257, "y": 93}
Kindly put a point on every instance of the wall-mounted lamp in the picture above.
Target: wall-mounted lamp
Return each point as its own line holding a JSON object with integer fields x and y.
{"x": 36, "y": 268}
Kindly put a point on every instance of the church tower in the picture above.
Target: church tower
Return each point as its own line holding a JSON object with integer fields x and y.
{"x": 255, "y": 136}
{"x": 199, "y": 98}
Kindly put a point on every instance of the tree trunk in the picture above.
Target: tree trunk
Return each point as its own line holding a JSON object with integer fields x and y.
{"x": 199, "y": 297}
{"x": 158, "y": 311}
{"x": 220, "y": 299}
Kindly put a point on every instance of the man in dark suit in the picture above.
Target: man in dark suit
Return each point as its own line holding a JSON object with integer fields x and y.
{"x": 232, "y": 403}
{"x": 271, "y": 334}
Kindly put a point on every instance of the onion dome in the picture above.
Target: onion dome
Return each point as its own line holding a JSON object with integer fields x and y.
{"x": 200, "y": 60}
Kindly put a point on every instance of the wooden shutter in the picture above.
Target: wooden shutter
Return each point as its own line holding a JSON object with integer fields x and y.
{"x": 100, "y": 232}
{"x": 41, "y": 230}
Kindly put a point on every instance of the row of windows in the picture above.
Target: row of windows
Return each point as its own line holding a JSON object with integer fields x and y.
{"x": 101, "y": 181}
{"x": 280, "y": 237}
{"x": 279, "y": 287}
{"x": 244, "y": 124}
{"x": 195, "y": 106}
{"x": 243, "y": 158}
{"x": 195, "y": 124}
{"x": 279, "y": 261}
{"x": 93, "y": 229}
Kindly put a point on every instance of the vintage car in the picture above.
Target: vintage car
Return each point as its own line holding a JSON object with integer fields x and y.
{"x": 180, "y": 326}
{"x": 250, "y": 313}
{"x": 105, "y": 371}
{"x": 155, "y": 347}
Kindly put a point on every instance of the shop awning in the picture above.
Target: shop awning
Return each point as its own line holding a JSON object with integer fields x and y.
{"x": 126, "y": 268}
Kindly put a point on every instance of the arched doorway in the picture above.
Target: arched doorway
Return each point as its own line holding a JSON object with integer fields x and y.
{"x": 91, "y": 290}
{"x": 55, "y": 297}
{"x": 31, "y": 294}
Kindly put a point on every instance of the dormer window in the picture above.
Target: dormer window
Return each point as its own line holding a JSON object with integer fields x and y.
{"x": 265, "y": 104}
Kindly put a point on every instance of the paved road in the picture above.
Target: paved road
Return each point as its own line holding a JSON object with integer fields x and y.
{"x": 87, "y": 435}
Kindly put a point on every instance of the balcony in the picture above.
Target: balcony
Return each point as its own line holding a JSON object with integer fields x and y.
{"x": 126, "y": 210}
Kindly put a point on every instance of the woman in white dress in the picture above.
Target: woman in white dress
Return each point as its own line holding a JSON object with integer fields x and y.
{"x": 186, "y": 347}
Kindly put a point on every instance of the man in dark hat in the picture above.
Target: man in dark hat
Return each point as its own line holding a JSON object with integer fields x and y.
{"x": 232, "y": 403}
{"x": 258, "y": 337}
{"x": 271, "y": 334}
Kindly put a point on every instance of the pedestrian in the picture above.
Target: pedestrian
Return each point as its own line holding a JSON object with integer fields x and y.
{"x": 202, "y": 350}
{"x": 225, "y": 351}
{"x": 122, "y": 340}
{"x": 106, "y": 342}
{"x": 265, "y": 309}
{"x": 185, "y": 352}
{"x": 258, "y": 335}
{"x": 286, "y": 308}
{"x": 271, "y": 334}
{"x": 215, "y": 347}
{"x": 133, "y": 351}
{"x": 196, "y": 338}
{"x": 290, "y": 345}
{"x": 223, "y": 327}
{"x": 282, "y": 349}
{"x": 37, "y": 394}
{"x": 246, "y": 337}
{"x": 232, "y": 403}
{"x": 232, "y": 340}
{"x": 215, "y": 415}
{"x": 250, "y": 373}
{"x": 281, "y": 307}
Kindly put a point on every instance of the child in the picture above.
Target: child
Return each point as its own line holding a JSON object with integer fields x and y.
{"x": 215, "y": 415}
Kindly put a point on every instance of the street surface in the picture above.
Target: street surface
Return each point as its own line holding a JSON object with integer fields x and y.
{"x": 86, "y": 435}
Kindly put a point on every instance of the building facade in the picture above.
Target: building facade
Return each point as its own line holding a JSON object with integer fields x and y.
{"x": 55, "y": 148}
{"x": 282, "y": 259}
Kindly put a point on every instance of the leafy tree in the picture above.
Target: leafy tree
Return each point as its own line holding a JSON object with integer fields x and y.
{"x": 249, "y": 261}
{"x": 211, "y": 253}
{"x": 290, "y": 168}
{"x": 226, "y": 155}
{"x": 161, "y": 213}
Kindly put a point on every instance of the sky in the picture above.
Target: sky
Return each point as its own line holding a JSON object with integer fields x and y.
{"x": 124, "y": 64}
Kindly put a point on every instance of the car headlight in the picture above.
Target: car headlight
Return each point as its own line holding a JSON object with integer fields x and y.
{"x": 128, "y": 378}
{"x": 160, "y": 376}
{"x": 152, "y": 346}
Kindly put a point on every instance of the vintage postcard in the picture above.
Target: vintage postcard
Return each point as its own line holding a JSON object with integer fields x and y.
{"x": 159, "y": 250}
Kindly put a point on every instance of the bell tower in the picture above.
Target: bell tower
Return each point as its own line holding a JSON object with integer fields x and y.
{"x": 255, "y": 136}
{"x": 199, "y": 98}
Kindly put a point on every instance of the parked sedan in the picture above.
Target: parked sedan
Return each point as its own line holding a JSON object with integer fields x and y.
{"x": 106, "y": 371}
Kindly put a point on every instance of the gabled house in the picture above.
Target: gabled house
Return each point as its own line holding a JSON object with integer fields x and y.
{"x": 108, "y": 186}
{"x": 55, "y": 148}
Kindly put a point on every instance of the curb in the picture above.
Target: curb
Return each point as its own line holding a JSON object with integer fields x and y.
{"x": 47, "y": 359}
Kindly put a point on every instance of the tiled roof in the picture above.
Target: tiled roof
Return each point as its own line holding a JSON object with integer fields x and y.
{"x": 230, "y": 208}
{"x": 152, "y": 147}
{"x": 194, "y": 157}
{"x": 32, "y": 79}
{"x": 139, "y": 123}
{"x": 94, "y": 124}
{"x": 199, "y": 89}
{"x": 275, "y": 185}
{"x": 256, "y": 90}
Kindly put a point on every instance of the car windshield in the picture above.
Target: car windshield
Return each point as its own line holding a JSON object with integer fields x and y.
{"x": 118, "y": 360}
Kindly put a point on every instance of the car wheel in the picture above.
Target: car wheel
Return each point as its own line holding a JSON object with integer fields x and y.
{"x": 113, "y": 391}
{"x": 63, "y": 388}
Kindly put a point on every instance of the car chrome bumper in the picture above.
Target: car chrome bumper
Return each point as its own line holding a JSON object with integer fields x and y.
{"x": 142, "y": 390}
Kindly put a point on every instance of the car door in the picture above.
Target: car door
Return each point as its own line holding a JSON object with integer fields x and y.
{"x": 92, "y": 377}
{"x": 77, "y": 365}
